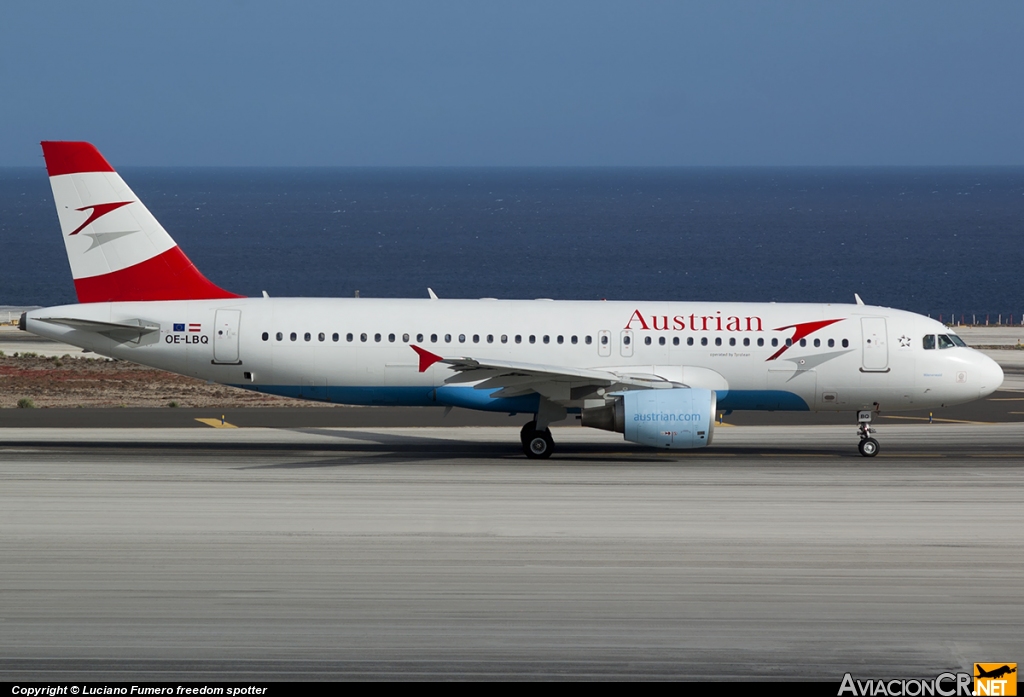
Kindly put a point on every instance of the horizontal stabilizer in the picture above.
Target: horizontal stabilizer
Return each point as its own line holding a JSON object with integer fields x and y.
{"x": 130, "y": 331}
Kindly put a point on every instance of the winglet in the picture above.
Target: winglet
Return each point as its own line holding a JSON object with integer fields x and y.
{"x": 427, "y": 358}
{"x": 857, "y": 298}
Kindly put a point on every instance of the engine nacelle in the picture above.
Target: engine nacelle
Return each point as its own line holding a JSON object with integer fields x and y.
{"x": 679, "y": 418}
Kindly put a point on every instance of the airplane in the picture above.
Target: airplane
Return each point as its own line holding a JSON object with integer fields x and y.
{"x": 657, "y": 372}
{"x": 994, "y": 673}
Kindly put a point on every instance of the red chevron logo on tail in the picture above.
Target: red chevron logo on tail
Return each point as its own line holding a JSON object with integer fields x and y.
{"x": 98, "y": 211}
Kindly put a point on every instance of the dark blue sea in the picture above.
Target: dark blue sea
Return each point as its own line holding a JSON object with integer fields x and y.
{"x": 934, "y": 241}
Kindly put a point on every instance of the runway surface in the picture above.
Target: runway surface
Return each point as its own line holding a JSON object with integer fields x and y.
{"x": 257, "y": 553}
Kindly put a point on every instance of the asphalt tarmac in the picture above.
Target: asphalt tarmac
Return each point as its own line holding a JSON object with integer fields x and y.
{"x": 1000, "y": 407}
{"x": 410, "y": 553}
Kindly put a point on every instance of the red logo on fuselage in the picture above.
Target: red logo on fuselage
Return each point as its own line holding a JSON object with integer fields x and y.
{"x": 98, "y": 211}
{"x": 802, "y": 331}
{"x": 718, "y": 323}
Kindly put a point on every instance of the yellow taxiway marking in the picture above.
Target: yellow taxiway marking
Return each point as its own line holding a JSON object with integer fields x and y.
{"x": 948, "y": 421}
{"x": 1016, "y": 412}
{"x": 216, "y": 423}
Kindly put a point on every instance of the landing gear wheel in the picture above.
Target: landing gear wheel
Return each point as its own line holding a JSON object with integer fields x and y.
{"x": 538, "y": 445}
{"x": 868, "y": 447}
{"x": 528, "y": 429}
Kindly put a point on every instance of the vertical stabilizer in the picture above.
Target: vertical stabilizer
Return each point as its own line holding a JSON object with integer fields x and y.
{"x": 117, "y": 249}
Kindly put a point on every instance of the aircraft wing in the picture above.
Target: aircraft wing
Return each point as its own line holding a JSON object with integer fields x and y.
{"x": 558, "y": 383}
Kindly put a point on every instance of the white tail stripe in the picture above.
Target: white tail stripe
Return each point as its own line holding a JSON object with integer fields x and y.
{"x": 123, "y": 236}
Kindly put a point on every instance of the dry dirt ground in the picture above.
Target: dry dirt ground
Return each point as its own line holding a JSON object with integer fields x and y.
{"x": 98, "y": 382}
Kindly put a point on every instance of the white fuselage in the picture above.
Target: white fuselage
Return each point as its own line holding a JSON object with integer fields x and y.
{"x": 358, "y": 350}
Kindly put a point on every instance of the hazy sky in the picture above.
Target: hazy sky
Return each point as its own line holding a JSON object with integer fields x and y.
{"x": 516, "y": 82}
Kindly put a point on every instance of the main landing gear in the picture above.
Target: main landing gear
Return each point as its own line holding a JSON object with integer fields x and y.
{"x": 537, "y": 444}
{"x": 868, "y": 446}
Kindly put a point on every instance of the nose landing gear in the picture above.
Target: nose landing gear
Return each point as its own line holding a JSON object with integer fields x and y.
{"x": 868, "y": 446}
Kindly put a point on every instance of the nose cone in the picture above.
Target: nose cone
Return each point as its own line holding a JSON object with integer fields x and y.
{"x": 990, "y": 375}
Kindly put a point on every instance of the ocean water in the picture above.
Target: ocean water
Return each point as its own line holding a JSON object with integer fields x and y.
{"x": 934, "y": 241}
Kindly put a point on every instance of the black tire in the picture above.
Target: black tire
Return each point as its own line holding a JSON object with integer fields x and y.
{"x": 868, "y": 447}
{"x": 529, "y": 428}
{"x": 539, "y": 445}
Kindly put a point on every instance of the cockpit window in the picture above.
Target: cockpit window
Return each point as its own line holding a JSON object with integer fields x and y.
{"x": 929, "y": 342}
{"x": 957, "y": 340}
{"x": 945, "y": 342}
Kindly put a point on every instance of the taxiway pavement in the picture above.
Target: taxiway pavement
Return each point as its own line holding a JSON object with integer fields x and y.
{"x": 252, "y": 553}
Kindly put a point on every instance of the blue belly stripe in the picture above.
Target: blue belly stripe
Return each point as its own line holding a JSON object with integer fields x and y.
{"x": 470, "y": 398}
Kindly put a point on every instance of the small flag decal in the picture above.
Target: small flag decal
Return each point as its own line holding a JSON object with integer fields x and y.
{"x": 179, "y": 327}
{"x": 195, "y": 327}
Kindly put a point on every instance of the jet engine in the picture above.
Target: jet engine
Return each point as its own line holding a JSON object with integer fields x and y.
{"x": 679, "y": 418}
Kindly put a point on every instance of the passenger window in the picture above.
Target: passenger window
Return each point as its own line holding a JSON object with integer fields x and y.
{"x": 803, "y": 342}
{"x": 944, "y": 342}
{"x": 626, "y": 340}
{"x": 789, "y": 342}
{"x": 775, "y": 342}
{"x": 490, "y": 338}
{"x": 322, "y": 336}
{"x": 831, "y": 343}
{"x": 689, "y": 341}
{"x": 294, "y": 336}
{"x": 604, "y": 340}
{"x": 817, "y": 343}
{"x": 929, "y": 342}
{"x": 533, "y": 339}
{"x": 476, "y": 338}
{"x": 504, "y": 338}
{"x": 433, "y": 338}
{"x": 279, "y": 336}
{"x": 661, "y": 340}
{"x": 348, "y": 337}
{"x": 732, "y": 341}
{"x": 647, "y": 340}
{"x": 266, "y": 336}
{"x": 405, "y": 338}
{"x": 335, "y": 337}
{"x": 846, "y": 343}
{"x": 703, "y": 341}
{"x": 419, "y": 338}
{"x": 675, "y": 341}
{"x": 718, "y": 341}
{"x": 547, "y": 339}
{"x": 760, "y": 341}
{"x": 307, "y": 336}
{"x": 519, "y": 338}
{"x": 462, "y": 338}
{"x": 447, "y": 338}
{"x": 575, "y": 339}
{"x": 560, "y": 339}
{"x": 391, "y": 338}
{"x": 376, "y": 337}
{"x": 746, "y": 341}
{"x": 362, "y": 337}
